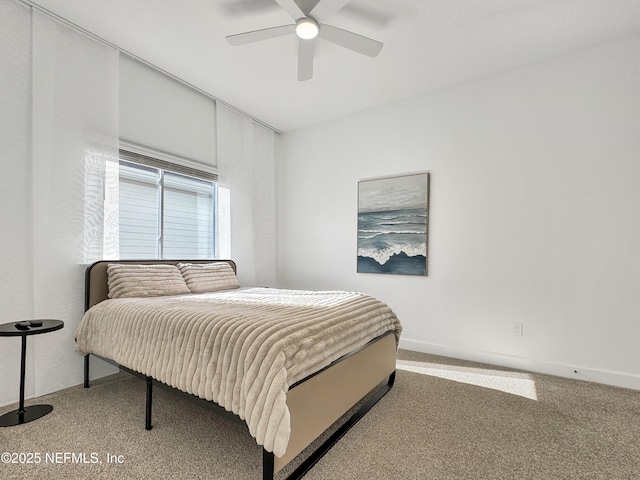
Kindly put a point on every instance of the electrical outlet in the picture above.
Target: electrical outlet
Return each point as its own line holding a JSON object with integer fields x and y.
{"x": 516, "y": 329}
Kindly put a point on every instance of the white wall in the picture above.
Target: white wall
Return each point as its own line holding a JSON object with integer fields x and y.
{"x": 534, "y": 213}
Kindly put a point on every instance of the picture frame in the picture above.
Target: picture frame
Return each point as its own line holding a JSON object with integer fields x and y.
{"x": 393, "y": 225}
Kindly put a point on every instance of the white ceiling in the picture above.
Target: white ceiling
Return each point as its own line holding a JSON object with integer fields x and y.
{"x": 428, "y": 44}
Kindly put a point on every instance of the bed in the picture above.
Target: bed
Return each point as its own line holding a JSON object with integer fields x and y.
{"x": 288, "y": 363}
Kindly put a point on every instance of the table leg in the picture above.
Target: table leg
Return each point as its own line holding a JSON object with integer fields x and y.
{"x": 23, "y": 361}
{"x": 22, "y": 414}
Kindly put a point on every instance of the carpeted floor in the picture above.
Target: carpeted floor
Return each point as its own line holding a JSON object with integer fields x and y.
{"x": 444, "y": 419}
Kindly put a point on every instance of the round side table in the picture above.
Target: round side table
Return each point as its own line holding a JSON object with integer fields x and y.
{"x": 24, "y": 329}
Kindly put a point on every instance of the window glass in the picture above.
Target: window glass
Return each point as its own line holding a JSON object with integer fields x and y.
{"x": 164, "y": 215}
{"x": 188, "y": 217}
{"x": 139, "y": 211}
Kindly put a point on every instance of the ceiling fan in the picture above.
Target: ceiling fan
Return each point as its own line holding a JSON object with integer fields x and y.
{"x": 309, "y": 25}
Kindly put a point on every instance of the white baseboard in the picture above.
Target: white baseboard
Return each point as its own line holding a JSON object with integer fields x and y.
{"x": 577, "y": 372}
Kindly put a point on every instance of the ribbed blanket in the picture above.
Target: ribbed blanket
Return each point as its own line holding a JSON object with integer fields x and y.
{"x": 239, "y": 348}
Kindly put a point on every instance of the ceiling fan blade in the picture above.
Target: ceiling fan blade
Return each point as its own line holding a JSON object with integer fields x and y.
{"x": 305, "y": 60}
{"x": 242, "y": 8}
{"x": 325, "y": 8}
{"x": 350, "y": 40}
{"x": 258, "y": 35}
{"x": 291, "y": 8}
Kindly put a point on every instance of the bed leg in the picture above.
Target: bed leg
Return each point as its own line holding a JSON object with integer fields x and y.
{"x": 147, "y": 423}
{"x": 86, "y": 371}
{"x": 267, "y": 465}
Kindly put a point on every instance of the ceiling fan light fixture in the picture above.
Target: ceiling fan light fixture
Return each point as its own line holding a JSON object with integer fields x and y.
{"x": 307, "y": 28}
{"x": 309, "y": 25}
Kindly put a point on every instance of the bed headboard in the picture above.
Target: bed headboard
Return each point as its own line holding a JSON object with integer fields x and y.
{"x": 96, "y": 288}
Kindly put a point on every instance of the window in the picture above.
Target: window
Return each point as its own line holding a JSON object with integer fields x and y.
{"x": 164, "y": 212}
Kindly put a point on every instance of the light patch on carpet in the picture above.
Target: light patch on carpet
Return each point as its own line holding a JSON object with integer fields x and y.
{"x": 516, "y": 383}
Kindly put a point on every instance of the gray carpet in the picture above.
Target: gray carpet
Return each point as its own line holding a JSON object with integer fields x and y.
{"x": 427, "y": 427}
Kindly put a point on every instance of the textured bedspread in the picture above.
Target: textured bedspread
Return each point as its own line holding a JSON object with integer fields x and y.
{"x": 240, "y": 348}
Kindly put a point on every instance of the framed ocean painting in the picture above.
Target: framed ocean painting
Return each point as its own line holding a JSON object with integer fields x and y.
{"x": 393, "y": 220}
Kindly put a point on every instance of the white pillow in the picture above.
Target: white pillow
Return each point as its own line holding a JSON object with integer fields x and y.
{"x": 130, "y": 280}
{"x": 209, "y": 277}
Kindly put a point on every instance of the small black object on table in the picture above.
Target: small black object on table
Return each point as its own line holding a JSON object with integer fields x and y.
{"x": 23, "y": 329}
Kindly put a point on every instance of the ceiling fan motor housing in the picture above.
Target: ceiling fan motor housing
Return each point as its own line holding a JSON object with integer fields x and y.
{"x": 307, "y": 28}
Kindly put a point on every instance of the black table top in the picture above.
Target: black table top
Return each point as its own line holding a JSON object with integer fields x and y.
{"x": 48, "y": 325}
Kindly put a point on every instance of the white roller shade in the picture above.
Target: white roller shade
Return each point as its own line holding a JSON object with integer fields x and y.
{"x": 164, "y": 114}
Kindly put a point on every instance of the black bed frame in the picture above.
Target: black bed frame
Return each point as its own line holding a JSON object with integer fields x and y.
{"x": 267, "y": 457}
